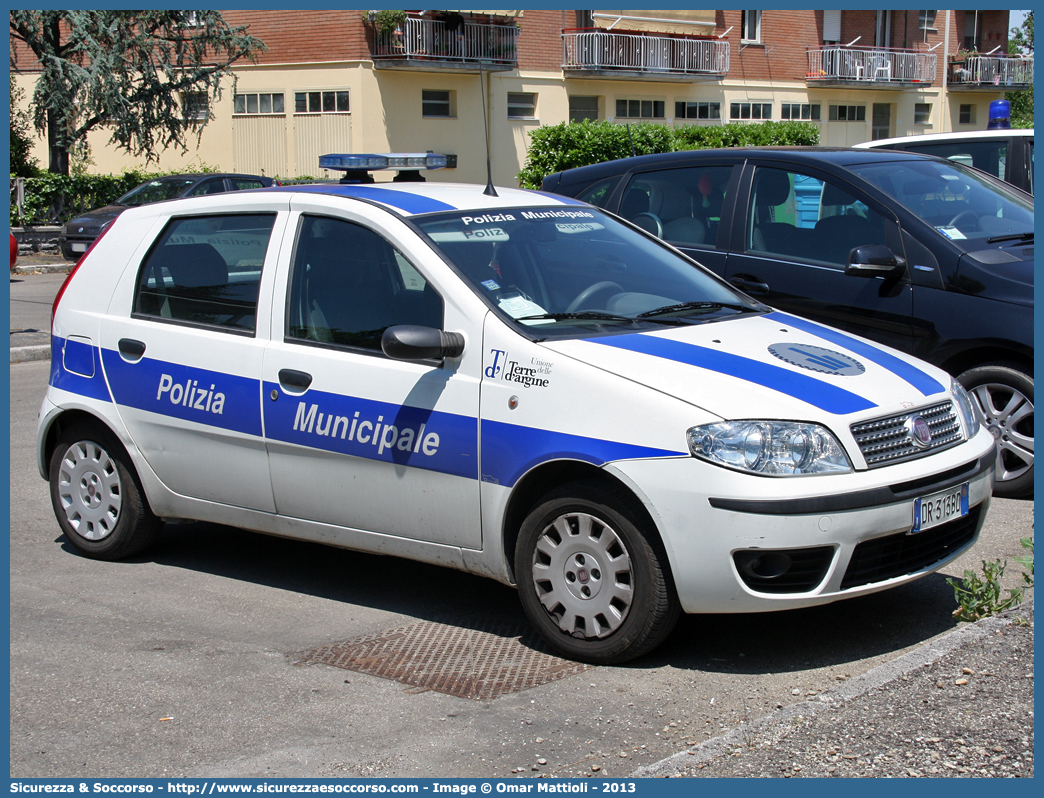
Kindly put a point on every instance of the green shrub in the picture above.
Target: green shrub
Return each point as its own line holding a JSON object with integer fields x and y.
{"x": 571, "y": 144}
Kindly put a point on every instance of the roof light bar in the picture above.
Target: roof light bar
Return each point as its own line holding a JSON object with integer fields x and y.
{"x": 376, "y": 162}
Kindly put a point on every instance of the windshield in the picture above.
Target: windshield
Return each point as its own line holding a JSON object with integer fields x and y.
{"x": 577, "y": 271}
{"x": 156, "y": 191}
{"x": 960, "y": 203}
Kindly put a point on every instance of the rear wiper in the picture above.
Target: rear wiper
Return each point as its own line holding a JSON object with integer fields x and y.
{"x": 1011, "y": 237}
{"x": 697, "y": 306}
{"x": 595, "y": 315}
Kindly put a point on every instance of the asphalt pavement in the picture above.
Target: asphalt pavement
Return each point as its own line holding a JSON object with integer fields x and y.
{"x": 188, "y": 662}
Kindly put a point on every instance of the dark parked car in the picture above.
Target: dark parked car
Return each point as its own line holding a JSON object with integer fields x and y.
{"x": 79, "y": 233}
{"x": 923, "y": 254}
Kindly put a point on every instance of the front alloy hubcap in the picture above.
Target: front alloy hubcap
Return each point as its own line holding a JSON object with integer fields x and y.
{"x": 582, "y": 574}
{"x": 1009, "y": 418}
{"x": 89, "y": 490}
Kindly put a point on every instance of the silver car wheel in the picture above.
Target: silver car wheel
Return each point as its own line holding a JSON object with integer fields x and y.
{"x": 89, "y": 490}
{"x": 1005, "y": 411}
{"x": 583, "y": 575}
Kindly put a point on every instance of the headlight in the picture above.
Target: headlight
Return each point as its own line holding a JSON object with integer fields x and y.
{"x": 967, "y": 406}
{"x": 772, "y": 448}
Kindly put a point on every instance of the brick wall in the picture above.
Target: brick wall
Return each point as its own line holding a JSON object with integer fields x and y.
{"x": 540, "y": 41}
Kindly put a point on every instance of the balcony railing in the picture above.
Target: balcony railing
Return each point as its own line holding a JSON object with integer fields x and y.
{"x": 630, "y": 52}
{"x": 431, "y": 41}
{"x": 988, "y": 71}
{"x": 876, "y": 65}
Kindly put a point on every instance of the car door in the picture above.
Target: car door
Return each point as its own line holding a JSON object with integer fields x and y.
{"x": 356, "y": 439}
{"x": 182, "y": 346}
{"x": 794, "y": 228}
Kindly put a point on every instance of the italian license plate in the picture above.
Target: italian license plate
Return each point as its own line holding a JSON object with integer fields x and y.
{"x": 940, "y": 507}
{"x": 79, "y": 247}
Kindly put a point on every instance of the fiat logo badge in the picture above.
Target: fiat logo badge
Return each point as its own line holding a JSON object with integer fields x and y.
{"x": 582, "y": 576}
{"x": 919, "y": 431}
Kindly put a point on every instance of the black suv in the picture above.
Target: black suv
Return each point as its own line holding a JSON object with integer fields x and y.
{"x": 922, "y": 254}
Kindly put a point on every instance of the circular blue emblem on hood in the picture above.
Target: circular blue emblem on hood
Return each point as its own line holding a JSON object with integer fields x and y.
{"x": 816, "y": 358}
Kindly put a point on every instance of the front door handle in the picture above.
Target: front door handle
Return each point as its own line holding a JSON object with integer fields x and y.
{"x": 749, "y": 283}
{"x": 294, "y": 379}
{"x": 131, "y": 349}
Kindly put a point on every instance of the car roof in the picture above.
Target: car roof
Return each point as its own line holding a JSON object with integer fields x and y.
{"x": 811, "y": 156}
{"x": 412, "y": 199}
{"x": 998, "y": 133}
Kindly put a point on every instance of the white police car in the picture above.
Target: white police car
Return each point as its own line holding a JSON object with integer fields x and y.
{"x": 520, "y": 386}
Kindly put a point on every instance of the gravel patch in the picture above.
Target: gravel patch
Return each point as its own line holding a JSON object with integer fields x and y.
{"x": 967, "y": 713}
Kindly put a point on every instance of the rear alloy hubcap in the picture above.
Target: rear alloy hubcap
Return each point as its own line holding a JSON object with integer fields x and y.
{"x": 89, "y": 490}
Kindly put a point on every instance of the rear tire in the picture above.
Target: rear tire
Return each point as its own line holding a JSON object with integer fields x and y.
{"x": 1004, "y": 397}
{"x": 97, "y": 497}
{"x": 593, "y": 577}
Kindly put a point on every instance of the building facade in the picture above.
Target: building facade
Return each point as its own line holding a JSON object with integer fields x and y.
{"x": 348, "y": 81}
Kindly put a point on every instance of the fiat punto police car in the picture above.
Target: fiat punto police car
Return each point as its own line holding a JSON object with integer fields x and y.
{"x": 509, "y": 383}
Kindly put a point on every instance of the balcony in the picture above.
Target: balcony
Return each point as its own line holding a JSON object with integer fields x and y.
{"x": 990, "y": 73}
{"x": 870, "y": 68}
{"x": 429, "y": 44}
{"x": 608, "y": 54}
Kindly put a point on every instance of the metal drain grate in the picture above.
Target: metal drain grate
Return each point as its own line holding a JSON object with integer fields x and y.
{"x": 466, "y": 662}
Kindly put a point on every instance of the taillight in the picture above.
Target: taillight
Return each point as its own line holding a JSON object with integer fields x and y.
{"x": 72, "y": 271}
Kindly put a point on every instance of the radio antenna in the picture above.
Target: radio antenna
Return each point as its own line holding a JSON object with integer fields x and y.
{"x": 490, "y": 191}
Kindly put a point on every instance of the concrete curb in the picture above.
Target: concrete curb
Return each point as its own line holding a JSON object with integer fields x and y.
{"x": 25, "y": 354}
{"x": 921, "y": 656}
{"x": 43, "y": 268}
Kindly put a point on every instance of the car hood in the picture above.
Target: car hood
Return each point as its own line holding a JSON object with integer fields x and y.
{"x": 774, "y": 366}
{"x": 92, "y": 221}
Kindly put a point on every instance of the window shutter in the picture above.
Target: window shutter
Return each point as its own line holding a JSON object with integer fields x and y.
{"x": 832, "y": 25}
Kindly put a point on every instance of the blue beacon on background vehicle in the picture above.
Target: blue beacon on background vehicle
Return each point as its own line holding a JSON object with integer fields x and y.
{"x": 505, "y": 382}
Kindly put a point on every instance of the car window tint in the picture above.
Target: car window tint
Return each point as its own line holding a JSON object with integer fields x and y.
{"x": 348, "y": 285}
{"x": 682, "y": 206}
{"x": 799, "y": 216}
{"x": 244, "y": 184}
{"x": 598, "y": 194}
{"x": 990, "y": 156}
{"x": 206, "y": 270}
{"x": 208, "y": 187}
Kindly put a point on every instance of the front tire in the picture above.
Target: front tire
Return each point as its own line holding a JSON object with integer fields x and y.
{"x": 593, "y": 577}
{"x": 1004, "y": 397}
{"x": 97, "y": 497}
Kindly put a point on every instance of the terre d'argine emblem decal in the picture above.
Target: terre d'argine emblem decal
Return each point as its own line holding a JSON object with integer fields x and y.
{"x": 816, "y": 358}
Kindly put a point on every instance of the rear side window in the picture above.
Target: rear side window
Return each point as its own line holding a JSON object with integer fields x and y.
{"x": 682, "y": 206}
{"x": 206, "y": 270}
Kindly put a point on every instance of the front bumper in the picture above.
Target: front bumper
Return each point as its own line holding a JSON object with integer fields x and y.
{"x": 852, "y": 539}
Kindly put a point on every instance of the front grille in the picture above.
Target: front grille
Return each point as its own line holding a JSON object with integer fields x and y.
{"x": 884, "y": 441}
{"x": 805, "y": 571}
{"x": 897, "y": 555}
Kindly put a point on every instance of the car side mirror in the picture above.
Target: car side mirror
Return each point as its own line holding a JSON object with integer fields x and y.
{"x": 874, "y": 260}
{"x": 412, "y": 342}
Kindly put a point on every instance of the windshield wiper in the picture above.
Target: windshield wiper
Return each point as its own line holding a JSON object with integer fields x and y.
{"x": 595, "y": 315}
{"x": 1011, "y": 237}
{"x": 697, "y": 306}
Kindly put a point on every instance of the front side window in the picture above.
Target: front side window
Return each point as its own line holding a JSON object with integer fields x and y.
{"x": 575, "y": 271}
{"x": 800, "y": 217}
{"x": 348, "y": 285}
{"x": 206, "y": 270}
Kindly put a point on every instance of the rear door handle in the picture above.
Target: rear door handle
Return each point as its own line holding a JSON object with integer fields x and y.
{"x": 131, "y": 349}
{"x": 294, "y": 379}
